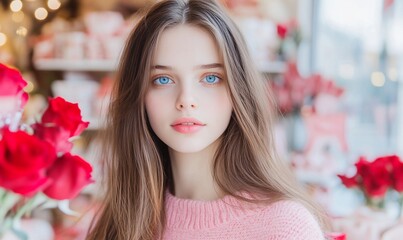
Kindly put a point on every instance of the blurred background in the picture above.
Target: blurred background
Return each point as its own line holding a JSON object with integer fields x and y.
{"x": 335, "y": 68}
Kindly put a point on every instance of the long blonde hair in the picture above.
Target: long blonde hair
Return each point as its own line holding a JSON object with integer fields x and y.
{"x": 138, "y": 164}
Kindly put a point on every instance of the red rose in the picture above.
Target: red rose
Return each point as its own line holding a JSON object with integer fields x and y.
{"x": 282, "y": 30}
{"x": 11, "y": 90}
{"x": 54, "y": 135}
{"x": 385, "y": 161}
{"x": 69, "y": 174}
{"x": 375, "y": 188}
{"x": 382, "y": 168}
{"x": 11, "y": 81}
{"x": 348, "y": 182}
{"x": 377, "y": 178}
{"x": 66, "y": 115}
{"x": 397, "y": 173}
{"x": 24, "y": 160}
{"x": 362, "y": 166}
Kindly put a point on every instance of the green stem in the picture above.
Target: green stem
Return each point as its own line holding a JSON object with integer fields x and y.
{"x": 399, "y": 214}
{"x": 12, "y": 222}
{"x": 35, "y": 201}
{"x": 2, "y": 193}
{"x": 32, "y": 203}
{"x": 8, "y": 200}
{"x": 375, "y": 203}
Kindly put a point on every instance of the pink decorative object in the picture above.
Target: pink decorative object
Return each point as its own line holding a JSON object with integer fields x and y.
{"x": 296, "y": 91}
{"x": 322, "y": 126}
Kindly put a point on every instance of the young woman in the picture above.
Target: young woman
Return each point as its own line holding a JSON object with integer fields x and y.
{"x": 190, "y": 147}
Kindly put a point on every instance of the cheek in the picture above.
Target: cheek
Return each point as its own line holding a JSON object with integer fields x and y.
{"x": 152, "y": 105}
{"x": 158, "y": 107}
{"x": 221, "y": 102}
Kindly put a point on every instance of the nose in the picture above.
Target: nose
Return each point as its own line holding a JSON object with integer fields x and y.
{"x": 186, "y": 99}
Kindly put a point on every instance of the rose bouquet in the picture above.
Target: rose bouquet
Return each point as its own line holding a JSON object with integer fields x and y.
{"x": 375, "y": 178}
{"x": 36, "y": 166}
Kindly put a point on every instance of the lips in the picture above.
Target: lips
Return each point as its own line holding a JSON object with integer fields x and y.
{"x": 187, "y": 122}
{"x": 187, "y": 125}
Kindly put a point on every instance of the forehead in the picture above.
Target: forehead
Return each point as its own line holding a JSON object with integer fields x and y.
{"x": 185, "y": 45}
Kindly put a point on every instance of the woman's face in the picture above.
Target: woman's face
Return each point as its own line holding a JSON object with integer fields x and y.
{"x": 187, "y": 103}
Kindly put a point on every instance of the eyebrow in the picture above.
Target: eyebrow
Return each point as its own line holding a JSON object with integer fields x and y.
{"x": 204, "y": 66}
{"x": 212, "y": 65}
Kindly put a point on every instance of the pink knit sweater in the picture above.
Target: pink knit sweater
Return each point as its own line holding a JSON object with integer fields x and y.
{"x": 228, "y": 218}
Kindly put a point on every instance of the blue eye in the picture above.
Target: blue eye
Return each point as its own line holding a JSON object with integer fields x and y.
{"x": 211, "y": 79}
{"x": 162, "y": 80}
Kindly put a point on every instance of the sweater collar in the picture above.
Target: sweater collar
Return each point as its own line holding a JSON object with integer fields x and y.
{"x": 198, "y": 214}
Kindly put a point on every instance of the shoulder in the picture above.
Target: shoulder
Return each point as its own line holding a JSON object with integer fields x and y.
{"x": 289, "y": 219}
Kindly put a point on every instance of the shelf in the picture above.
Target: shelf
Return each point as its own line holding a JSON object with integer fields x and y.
{"x": 76, "y": 65}
{"x": 111, "y": 65}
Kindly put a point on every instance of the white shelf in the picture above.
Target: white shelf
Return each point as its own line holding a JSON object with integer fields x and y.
{"x": 76, "y": 65}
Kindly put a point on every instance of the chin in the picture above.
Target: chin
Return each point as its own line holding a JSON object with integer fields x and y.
{"x": 188, "y": 148}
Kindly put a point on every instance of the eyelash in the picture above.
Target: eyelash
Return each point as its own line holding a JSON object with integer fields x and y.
{"x": 218, "y": 78}
{"x": 160, "y": 77}
{"x": 170, "y": 81}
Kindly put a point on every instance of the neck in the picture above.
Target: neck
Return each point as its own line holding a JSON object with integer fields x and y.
{"x": 192, "y": 174}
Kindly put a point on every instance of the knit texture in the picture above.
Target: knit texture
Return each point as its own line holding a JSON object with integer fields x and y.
{"x": 229, "y": 218}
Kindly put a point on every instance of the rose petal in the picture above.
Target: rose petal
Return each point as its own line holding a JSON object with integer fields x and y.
{"x": 348, "y": 182}
{"x": 70, "y": 174}
{"x": 23, "y": 162}
{"x": 66, "y": 115}
{"x": 55, "y": 135}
